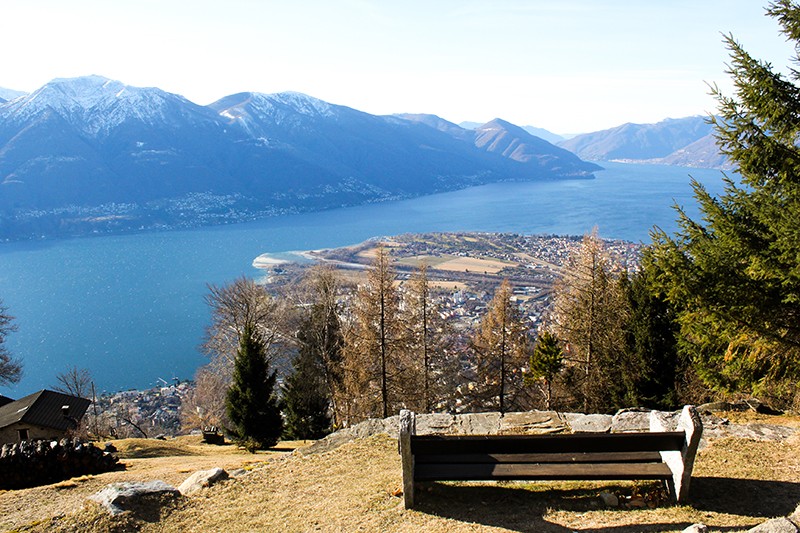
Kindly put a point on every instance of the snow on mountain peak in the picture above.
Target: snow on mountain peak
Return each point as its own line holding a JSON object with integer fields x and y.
{"x": 302, "y": 103}
{"x": 95, "y": 103}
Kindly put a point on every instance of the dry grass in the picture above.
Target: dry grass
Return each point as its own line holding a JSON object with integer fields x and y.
{"x": 472, "y": 264}
{"x": 356, "y": 488}
{"x": 171, "y": 461}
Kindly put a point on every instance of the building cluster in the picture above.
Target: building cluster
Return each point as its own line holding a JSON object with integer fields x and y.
{"x": 139, "y": 413}
{"x": 535, "y": 262}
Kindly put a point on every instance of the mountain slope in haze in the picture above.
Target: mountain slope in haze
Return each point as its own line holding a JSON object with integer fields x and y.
{"x": 542, "y": 133}
{"x": 665, "y": 142}
{"x": 9, "y": 94}
{"x": 91, "y": 154}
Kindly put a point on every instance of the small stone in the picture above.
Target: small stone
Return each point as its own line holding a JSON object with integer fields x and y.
{"x": 637, "y": 503}
{"x": 609, "y": 499}
{"x": 202, "y": 479}
{"x": 795, "y": 516}
{"x": 696, "y": 528}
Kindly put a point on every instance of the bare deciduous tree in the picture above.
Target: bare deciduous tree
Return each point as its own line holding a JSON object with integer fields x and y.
{"x": 373, "y": 343}
{"x": 75, "y": 381}
{"x": 236, "y": 306}
{"x": 432, "y": 381}
{"x": 589, "y": 314}
{"x": 10, "y": 368}
{"x": 501, "y": 346}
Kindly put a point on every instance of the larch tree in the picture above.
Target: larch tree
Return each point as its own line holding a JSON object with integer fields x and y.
{"x": 735, "y": 274}
{"x": 433, "y": 363}
{"x": 10, "y": 367}
{"x": 252, "y": 403}
{"x": 589, "y": 314}
{"x": 374, "y": 344}
{"x": 500, "y": 347}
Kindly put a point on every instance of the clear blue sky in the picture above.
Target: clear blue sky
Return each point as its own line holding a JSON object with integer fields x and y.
{"x": 566, "y": 65}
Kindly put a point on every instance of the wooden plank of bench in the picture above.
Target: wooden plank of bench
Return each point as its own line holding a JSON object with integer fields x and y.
{"x": 588, "y": 471}
{"x": 570, "y": 443}
{"x": 569, "y": 458}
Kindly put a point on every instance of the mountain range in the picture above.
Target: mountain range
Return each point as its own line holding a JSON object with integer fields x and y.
{"x": 90, "y": 154}
{"x": 683, "y": 142}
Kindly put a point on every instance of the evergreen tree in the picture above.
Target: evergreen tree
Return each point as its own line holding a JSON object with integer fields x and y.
{"x": 311, "y": 392}
{"x": 252, "y": 405}
{"x": 546, "y": 362}
{"x": 735, "y": 274}
{"x": 500, "y": 347}
{"x": 305, "y": 396}
{"x": 652, "y": 343}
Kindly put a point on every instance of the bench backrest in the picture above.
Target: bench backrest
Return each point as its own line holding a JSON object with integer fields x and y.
{"x": 561, "y": 443}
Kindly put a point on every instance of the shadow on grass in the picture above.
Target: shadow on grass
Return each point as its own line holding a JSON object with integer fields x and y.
{"x": 520, "y": 508}
{"x": 750, "y": 497}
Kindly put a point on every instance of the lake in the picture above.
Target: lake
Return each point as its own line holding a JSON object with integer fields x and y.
{"x": 130, "y": 308}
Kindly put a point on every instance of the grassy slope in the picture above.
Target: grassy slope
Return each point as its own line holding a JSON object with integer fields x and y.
{"x": 354, "y": 488}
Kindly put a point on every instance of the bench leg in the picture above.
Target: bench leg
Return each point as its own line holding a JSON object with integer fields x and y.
{"x": 681, "y": 462}
{"x": 407, "y": 428}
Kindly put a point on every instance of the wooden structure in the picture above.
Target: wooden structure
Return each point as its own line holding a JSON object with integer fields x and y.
{"x": 658, "y": 455}
{"x": 212, "y": 435}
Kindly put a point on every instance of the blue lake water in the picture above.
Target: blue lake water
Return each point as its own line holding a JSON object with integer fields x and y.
{"x": 130, "y": 308}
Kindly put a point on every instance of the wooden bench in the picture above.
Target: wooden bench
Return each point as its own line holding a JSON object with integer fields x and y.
{"x": 654, "y": 455}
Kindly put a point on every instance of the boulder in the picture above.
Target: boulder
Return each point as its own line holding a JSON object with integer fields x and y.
{"x": 478, "y": 424}
{"x": 532, "y": 422}
{"x": 581, "y": 423}
{"x": 630, "y": 420}
{"x": 435, "y": 424}
{"x": 761, "y": 432}
{"x": 776, "y": 525}
{"x": 137, "y": 497}
{"x": 795, "y": 516}
{"x": 202, "y": 479}
{"x": 715, "y": 407}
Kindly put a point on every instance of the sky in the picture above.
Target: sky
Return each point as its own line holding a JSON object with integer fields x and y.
{"x": 569, "y": 66}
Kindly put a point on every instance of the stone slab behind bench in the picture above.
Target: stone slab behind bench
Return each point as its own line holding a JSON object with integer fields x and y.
{"x": 542, "y": 422}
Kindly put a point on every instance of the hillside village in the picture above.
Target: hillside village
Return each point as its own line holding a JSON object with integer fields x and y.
{"x": 465, "y": 269}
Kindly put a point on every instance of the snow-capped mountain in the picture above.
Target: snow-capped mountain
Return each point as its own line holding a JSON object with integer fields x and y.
{"x": 97, "y": 105}
{"x": 93, "y": 154}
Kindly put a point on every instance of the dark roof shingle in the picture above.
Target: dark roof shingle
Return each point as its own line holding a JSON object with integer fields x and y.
{"x": 44, "y": 408}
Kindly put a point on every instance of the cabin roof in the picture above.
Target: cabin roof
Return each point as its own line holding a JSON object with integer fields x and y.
{"x": 44, "y": 408}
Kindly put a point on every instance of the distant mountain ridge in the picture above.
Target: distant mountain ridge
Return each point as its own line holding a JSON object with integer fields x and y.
{"x": 90, "y": 154}
{"x": 9, "y": 94}
{"x": 542, "y": 133}
{"x": 683, "y": 142}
